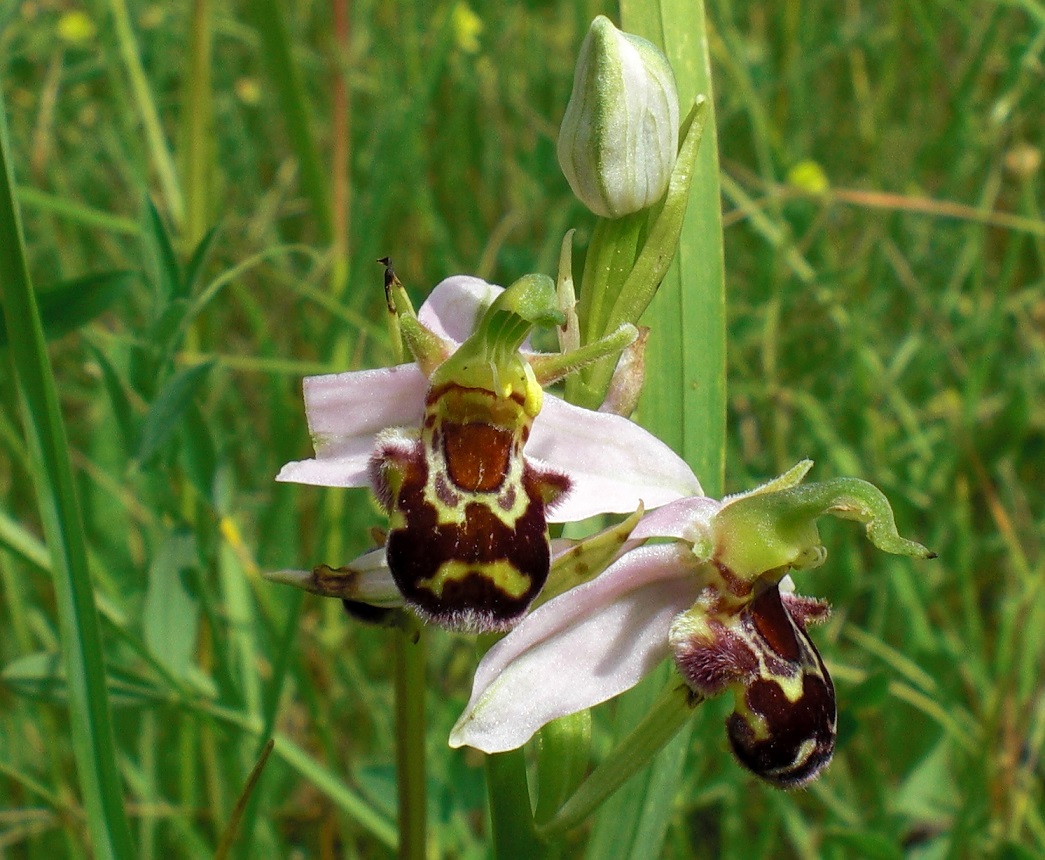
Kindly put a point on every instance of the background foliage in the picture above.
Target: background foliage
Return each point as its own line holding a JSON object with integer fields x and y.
{"x": 885, "y": 257}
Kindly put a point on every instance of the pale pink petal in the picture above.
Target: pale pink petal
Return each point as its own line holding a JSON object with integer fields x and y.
{"x": 359, "y": 404}
{"x": 349, "y": 470}
{"x": 456, "y": 305}
{"x": 684, "y": 519}
{"x": 345, "y": 412}
{"x": 613, "y": 463}
{"x": 584, "y": 647}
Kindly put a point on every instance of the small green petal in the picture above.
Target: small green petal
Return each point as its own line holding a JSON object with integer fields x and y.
{"x": 791, "y": 478}
{"x": 588, "y": 558}
{"x": 765, "y": 531}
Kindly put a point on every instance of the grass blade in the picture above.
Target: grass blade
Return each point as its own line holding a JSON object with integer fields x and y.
{"x": 267, "y": 17}
{"x": 59, "y": 511}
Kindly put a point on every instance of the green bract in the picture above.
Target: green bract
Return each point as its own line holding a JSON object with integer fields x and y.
{"x": 619, "y": 137}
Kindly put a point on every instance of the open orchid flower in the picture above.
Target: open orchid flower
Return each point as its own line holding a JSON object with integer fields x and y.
{"x": 717, "y": 598}
{"x": 471, "y": 458}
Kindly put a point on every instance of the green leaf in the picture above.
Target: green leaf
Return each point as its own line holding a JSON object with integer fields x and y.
{"x": 74, "y": 303}
{"x": 167, "y": 410}
{"x": 170, "y": 616}
{"x": 161, "y": 263}
{"x": 90, "y": 725}
{"x": 930, "y": 791}
{"x": 196, "y": 263}
{"x": 117, "y": 388}
{"x": 684, "y": 400}
{"x": 149, "y": 364}
{"x": 198, "y": 454}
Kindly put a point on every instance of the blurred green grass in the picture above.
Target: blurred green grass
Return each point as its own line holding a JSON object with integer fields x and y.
{"x": 870, "y": 329}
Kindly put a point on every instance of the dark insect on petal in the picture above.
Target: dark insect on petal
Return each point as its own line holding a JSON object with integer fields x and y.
{"x": 783, "y": 729}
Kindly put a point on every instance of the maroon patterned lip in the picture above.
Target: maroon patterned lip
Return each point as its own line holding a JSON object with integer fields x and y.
{"x": 762, "y": 651}
{"x": 481, "y": 517}
{"x": 797, "y": 738}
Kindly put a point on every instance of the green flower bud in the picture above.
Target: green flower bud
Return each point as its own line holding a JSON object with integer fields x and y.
{"x": 619, "y": 137}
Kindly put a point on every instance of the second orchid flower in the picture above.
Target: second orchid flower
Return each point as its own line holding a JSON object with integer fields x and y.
{"x": 717, "y": 598}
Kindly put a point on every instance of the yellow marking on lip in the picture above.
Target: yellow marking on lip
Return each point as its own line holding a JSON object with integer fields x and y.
{"x": 503, "y": 574}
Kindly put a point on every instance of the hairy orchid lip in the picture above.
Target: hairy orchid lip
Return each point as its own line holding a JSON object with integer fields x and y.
{"x": 468, "y": 543}
{"x": 783, "y": 725}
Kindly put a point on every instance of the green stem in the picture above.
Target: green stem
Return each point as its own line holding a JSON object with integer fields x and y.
{"x": 199, "y": 147}
{"x": 631, "y": 754}
{"x": 610, "y": 258}
{"x": 267, "y": 16}
{"x": 508, "y": 796}
{"x": 616, "y": 245}
{"x": 162, "y": 159}
{"x": 410, "y": 740}
{"x": 511, "y": 818}
{"x": 91, "y": 726}
{"x": 562, "y": 758}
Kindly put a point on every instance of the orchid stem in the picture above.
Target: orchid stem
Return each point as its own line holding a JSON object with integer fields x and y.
{"x": 662, "y": 721}
{"x": 508, "y": 796}
{"x": 410, "y": 740}
{"x": 511, "y": 817}
{"x": 563, "y": 747}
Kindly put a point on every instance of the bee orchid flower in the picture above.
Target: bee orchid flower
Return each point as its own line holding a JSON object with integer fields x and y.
{"x": 472, "y": 458}
{"x": 717, "y": 598}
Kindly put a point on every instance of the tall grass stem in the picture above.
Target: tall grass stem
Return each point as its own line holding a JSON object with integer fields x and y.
{"x": 90, "y": 723}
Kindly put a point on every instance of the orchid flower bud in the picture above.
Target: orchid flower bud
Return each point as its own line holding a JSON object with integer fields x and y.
{"x": 619, "y": 137}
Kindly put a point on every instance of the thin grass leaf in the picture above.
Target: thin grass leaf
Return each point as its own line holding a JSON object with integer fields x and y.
{"x": 117, "y": 389}
{"x": 198, "y": 161}
{"x": 77, "y": 213}
{"x": 90, "y": 724}
{"x": 162, "y": 160}
{"x": 75, "y": 303}
{"x": 198, "y": 260}
{"x": 167, "y": 410}
{"x": 199, "y": 456}
{"x": 161, "y": 263}
{"x": 267, "y": 17}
